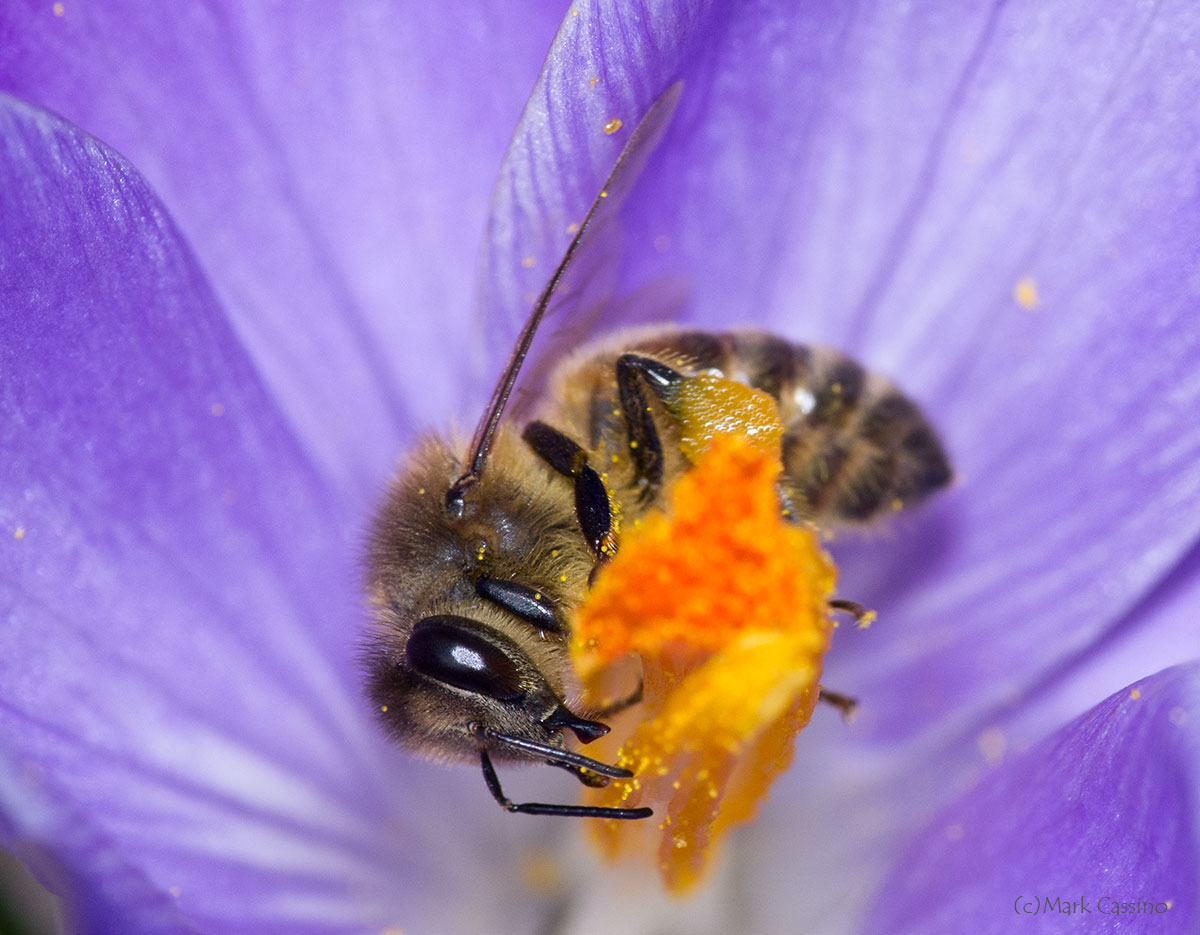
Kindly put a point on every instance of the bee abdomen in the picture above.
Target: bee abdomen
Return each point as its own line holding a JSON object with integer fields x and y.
{"x": 854, "y": 446}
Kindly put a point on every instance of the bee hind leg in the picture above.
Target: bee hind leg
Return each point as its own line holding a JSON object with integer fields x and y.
{"x": 635, "y": 374}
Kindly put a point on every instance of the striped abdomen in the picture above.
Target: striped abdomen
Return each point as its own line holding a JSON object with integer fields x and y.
{"x": 854, "y": 446}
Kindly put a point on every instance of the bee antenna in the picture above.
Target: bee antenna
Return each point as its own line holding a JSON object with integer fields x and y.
{"x": 554, "y": 755}
{"x": 637, "y": 150}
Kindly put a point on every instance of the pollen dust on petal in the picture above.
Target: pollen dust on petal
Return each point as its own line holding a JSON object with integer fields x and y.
{"x": 1026, "y": 295}
{"x": 726, "y": 604}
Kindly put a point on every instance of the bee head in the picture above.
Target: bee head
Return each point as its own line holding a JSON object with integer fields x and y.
{"x": 458, "y": 682}
{"x": 467, "y": 640}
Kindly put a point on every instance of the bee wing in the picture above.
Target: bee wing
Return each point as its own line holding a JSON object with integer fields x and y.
{"x": 575, "y": 278}
{"x": 662, "y": 299}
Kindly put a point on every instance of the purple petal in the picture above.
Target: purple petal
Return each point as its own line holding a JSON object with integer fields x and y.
{"x": 330, "y": 167}
{"x": 1156, "y": 633}
{"x": 886, "y": 179}
{"x": 1102, "y": 813}
{"x": 1071, "y": 424}
{"x": 179, "y": 723}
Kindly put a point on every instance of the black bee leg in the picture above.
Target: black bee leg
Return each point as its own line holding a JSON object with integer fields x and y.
{"x": 592, "y": 506}
{"x": 863, "y": 617}
{"x": 844, "y": 703}
{"x": 538, "y": 808}
{"x": 634, "y": 374}
{"x": 616, "y": 707}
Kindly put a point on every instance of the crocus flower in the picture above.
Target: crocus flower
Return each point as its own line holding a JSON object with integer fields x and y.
{"x": 209, "y": 362}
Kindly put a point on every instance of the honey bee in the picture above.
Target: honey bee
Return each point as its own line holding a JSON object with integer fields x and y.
{"x": 476, "y": 563}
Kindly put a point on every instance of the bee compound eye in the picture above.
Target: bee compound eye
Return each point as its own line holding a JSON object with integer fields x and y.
{"x": 450, "y": 649}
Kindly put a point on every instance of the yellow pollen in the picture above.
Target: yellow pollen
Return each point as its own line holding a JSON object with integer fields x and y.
{"x": 383, "y": 708}
{"x": 593, "y": 81}
{"x": 708, "y": 406}
{"x": 1025, "y": 294}
{"x": 726, "y": 604}
{"x": 613, "y": 126}
{"x": 1135, "y": 693}
{"x": 58, "y": 9}
{"x": 19, "y": 533}
{"x": 528, "y": 262}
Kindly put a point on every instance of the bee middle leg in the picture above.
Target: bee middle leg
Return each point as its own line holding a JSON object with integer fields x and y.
{"x": 863, "y": 617}
{"x": 844, "y": 703}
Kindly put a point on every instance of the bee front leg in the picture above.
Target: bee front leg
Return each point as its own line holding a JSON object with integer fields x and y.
{"x": 592, "y": 506}
{"x": 621, "y": 704}
{"x": 541, "y": 808}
